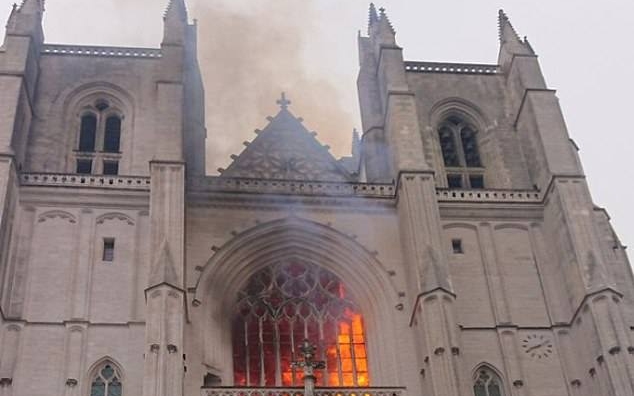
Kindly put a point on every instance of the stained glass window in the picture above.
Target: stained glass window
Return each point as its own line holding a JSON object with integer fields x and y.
{"x": 282, "y": 305}
{"x": 107, "y": 382}
{"x": 459, "y": 147}
{"x": 487, "y": 383}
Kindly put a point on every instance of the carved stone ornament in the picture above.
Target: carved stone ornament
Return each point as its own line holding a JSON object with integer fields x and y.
{"x": 286, "y": 150}
{"x": 6, "y": 381}
{"x": 71, "y": 382}
{"x": 154, "y": 348}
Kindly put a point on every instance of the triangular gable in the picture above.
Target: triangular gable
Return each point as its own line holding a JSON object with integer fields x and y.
{"x": 286, "y": 150}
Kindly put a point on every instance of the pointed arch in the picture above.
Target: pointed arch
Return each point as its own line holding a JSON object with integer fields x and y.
{"x": 487, "y": 381}
{"x": 106, "y": 371}
{"x": 229, "y": 269}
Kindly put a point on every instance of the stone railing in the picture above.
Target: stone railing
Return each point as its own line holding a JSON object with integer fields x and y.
{"x": 94, "y": 181}
{"x": 230, "y": 391}
{"x": 440, "y": 67}
{"x": 493, "y": 196}
{"x": 81, "y": 50}
{"x": 291, "y": 187}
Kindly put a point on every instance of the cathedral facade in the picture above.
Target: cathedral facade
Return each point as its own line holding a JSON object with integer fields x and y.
{"x": 456, "y": 252}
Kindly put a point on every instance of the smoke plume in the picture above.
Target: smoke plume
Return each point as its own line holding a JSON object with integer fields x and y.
{"x": 251, "y": 51}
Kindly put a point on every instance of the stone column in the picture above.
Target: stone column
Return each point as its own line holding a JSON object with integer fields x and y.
{"x": 426, "y": 257}
{"x": 165, "y": 294}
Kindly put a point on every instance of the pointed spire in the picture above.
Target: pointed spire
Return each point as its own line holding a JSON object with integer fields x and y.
{"x": 32, "y": 6}
{"x": 163, "y": 271}
{"x": 175, "y": 22}
{"x": 374, "y": 17}
{"x": 176, "y": 9}
{"x": 506, "y": 31}
{"x": 356, "y": 143}
{"x": 385, "y": 21}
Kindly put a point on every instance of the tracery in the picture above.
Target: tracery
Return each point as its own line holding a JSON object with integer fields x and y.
{"x": 285, "y": 303}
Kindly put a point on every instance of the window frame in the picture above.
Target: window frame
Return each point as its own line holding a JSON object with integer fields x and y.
{"x": 457, "y": 125}
{"x": 102, "y": 110}
{"x": 98, "y": 373}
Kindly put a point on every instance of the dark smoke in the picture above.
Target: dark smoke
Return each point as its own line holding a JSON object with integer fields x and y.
{"x": 248, "y": 56}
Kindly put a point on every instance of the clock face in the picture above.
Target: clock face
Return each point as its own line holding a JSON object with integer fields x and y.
{"x": 537, "y": 346}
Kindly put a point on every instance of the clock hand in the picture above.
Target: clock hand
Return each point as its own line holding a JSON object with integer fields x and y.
{"x": 537, "y": 346}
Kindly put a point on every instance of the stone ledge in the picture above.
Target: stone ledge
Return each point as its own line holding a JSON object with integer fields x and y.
{"x": 291, "y": 187}
{"x": 456, "y": 68}
{"x": 297, "y": 391}
{"x": 492, "y": 196}
{"x": 136, "y": 183}
{"x": 120, "y": 52}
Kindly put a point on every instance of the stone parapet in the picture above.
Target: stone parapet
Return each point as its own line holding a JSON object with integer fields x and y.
{"x": 297, "y": 391}
{"x": 76, "y": 180}
{"x": 80, "y": 50}
{"x": 460, "y": 68}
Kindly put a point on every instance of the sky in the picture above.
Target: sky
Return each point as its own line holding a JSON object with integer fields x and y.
{"x": 251, "y": 50}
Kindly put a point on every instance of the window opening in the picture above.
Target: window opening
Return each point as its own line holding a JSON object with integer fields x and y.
{"x": 470, "y": 147}
{"x": 87, "y": 133}
{"x": 454, "y": 181}
{"x": 285, "y": 303}
{"x": 108, "y": 249}
{"x": 459, "y": 146}
{"x": 107, "y": 382}
{"x": 487, "y": 383}
{"x": 476, "y": 181}
{"x": 112, "y": 135}
{"x": 110, "y": 167}
{"x": 84, "y": 166}
{"x": 456, "y": 245}
{"x": 448, "y": 146}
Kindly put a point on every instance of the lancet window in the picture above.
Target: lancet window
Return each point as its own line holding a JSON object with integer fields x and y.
{"x": 106, "y": 381}
{"x": 461, "y": 156}
{"x": 284, "y": 304}
{"x": 99, "y": 141}
{"x": 487, "y": 383}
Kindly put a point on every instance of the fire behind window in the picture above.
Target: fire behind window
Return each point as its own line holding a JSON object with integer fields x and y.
{"x": 282, "y": 305}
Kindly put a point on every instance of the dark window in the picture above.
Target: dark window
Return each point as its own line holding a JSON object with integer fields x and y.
{"x": 470, "y": 147}
{"x": 448, "y": 146}
{"x": 87, "y": 133}
{"x": 456, "y": 245}
{"x": 454, "y": 181}
{"x": 108, "y": 249}
{"x": 476, "y": 181}
{"x": 84, "y": 166}
{"x": 110, "y": 168}
{"x": 106, "y": 382}
{"x": 112, "y": 136}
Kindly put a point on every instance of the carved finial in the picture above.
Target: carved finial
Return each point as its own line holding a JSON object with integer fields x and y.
{"x": 283, "y": 102}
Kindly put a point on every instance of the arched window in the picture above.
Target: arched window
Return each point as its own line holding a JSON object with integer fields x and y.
{"x": 99, "y": 150}
{"x": 112, "y": 135}
{"x": 487, "y": 383}
{"x": 461, "y": 156}
{"x": 88, "y": 133}
{"x": 106, "y": 381}
{"x": 284, "y": 304}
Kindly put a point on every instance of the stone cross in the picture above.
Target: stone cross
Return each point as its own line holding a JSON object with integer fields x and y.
{"x": 309, "y": 365}
{"x": 283, "y": 102}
